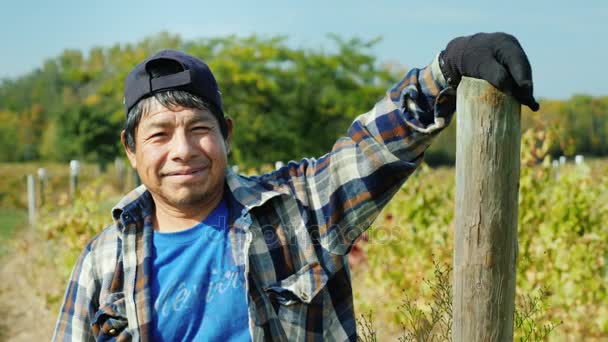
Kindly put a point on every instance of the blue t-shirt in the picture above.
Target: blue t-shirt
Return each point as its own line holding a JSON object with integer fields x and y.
{"x": 197, "y": 291}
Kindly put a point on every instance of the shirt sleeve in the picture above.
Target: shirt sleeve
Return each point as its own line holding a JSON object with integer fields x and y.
{"x": 74, "y": 322}
{"x": 345, "y": 190}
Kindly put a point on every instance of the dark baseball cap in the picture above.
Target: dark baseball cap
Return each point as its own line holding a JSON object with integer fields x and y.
{"x": 195, "y": 78}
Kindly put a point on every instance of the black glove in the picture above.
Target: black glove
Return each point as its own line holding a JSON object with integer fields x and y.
{"x": 495, "y": 57}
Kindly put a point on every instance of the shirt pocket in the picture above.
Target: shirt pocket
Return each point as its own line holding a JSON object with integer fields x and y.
{"x": 110, "y": 321}
{"x": 297, "y": 296}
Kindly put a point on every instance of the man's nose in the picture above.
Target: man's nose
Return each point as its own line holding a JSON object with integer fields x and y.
{"x": 182, "y": 146}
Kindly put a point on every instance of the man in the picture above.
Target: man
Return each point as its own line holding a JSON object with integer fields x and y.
{"x": 201, "y": 253}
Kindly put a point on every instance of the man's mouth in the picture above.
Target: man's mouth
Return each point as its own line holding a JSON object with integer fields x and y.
{"x": 186, "y": 172}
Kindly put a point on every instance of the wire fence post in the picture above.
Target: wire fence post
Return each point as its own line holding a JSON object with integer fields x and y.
{"x": 42, "y": 180}
{"x": 74, "y": 171}
{"x": 119, "y": 168}
{"x": 31, "y": 200}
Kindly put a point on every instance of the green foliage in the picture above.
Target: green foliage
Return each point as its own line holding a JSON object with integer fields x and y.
{"x": 71, "y": 225}
{"x": 435, "y": 325}
{"x": 529, "y": 310}
{"x": 290, "y": 103}
{"x": 366, "y": 330}
{"x": 563, "y": 241}
{"x": 287, "y": 103}
{"x": 86, "y": 127}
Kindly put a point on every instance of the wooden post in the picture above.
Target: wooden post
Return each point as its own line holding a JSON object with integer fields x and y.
{"x": 31, "y": 200}
{"x": 42, "y": 180}
{"x": 485, "y": 227}
{"x": 119, "y": 167}
{"x": 74, "y": 171}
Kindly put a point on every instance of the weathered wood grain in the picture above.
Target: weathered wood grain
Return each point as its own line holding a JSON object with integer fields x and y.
{"x": 485, "y": 234}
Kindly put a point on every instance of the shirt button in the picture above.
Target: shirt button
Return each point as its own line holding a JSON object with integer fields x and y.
{"x": 304, "y": 296}
{"x": 112, "y": 332}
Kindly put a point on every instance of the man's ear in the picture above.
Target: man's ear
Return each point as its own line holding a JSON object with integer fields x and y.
{"x": 229, "y": 126}
{"x": 130, "y": 154}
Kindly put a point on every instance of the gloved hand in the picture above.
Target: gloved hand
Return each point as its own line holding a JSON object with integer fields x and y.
{"x": 495, "y": 57}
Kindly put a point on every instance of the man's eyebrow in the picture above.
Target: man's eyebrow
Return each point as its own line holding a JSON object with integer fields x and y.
{"x": 200, "y": 119}
{"x": 157, "y": 124}
{"x": 162, "y": 123}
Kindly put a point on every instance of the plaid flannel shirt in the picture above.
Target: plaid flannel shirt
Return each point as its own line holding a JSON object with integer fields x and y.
{"x": 291, "y": 230}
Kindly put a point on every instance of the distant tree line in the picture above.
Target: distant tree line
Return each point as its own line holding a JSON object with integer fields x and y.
{"x": 287, "y": 102}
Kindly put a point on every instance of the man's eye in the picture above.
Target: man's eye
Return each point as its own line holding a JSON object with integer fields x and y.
{"x": 200, "y": 129}
{"x": 158, "y": 135}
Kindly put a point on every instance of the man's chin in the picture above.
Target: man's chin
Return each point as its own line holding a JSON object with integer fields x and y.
{"x": 188, "y": 199}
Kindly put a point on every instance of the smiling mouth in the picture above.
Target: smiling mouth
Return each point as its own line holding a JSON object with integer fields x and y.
{"x": 186, "y": 173}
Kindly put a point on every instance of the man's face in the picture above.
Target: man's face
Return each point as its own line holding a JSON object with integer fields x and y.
{"x": 180, "y": 155}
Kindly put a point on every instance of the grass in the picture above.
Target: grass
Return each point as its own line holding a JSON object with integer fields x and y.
{"x": 10, "y": 220}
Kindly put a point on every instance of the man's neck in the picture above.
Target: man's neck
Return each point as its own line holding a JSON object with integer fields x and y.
{"x": 169, "y": 219}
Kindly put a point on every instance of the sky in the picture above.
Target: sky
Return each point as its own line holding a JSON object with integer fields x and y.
{"x": 565, "y": 40}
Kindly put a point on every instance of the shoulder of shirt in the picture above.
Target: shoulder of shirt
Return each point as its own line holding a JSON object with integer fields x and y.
{"x": 97, "y": 251}
{"x": 110, "y": 234}
{"x": 253, "y": 191}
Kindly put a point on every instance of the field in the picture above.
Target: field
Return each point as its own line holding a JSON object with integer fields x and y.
{"x": 400, "y": 269}
{"x": 562, "y": 277}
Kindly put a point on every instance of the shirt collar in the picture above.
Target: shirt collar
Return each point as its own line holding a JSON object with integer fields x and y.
{"x": 251, "y": 192}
